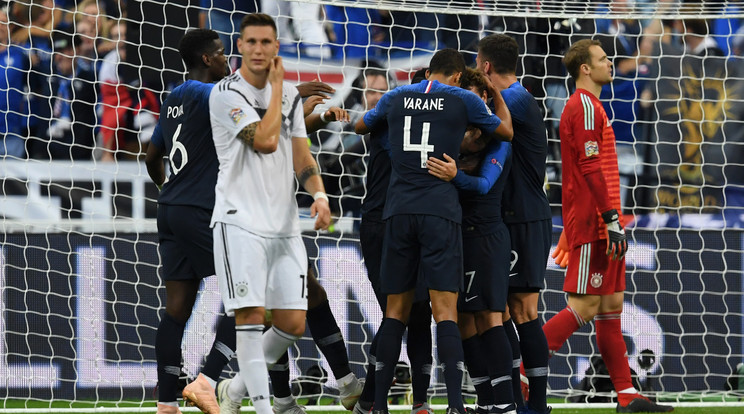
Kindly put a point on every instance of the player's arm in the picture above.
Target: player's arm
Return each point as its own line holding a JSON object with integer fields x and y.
{"x": 375, "y": 116}
{"x": 482, "y": 183}
{"x": 586, "y": 144}
{"x": 505, "y": 130}
{"x": 561, "y": 252}
{"x": 314, "y": 122}
{"x": 263, "y": 136}
{"x": 154, "y": 157}
{"x": 308, "y": 175}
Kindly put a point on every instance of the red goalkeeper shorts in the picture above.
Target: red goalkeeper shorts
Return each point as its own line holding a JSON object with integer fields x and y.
{"x": 591, "y": 272}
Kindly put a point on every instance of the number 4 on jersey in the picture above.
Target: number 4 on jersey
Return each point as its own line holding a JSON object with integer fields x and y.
{"x": 424, "y": 148}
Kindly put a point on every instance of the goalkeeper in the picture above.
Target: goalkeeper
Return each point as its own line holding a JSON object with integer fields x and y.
{"x": 593, "y": 241}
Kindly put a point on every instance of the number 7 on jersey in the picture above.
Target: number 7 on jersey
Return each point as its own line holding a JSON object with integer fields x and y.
{"x": 424, "y": 148}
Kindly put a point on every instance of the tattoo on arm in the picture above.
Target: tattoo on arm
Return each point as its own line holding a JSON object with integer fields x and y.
{"x": 248, "y": 134}
{"x": 306, "y": 173}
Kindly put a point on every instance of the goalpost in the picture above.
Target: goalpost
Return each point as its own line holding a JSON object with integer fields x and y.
{"x": 80, "y": 296}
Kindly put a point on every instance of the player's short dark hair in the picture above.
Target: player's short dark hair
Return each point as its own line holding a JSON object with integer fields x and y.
{"x": 419, "y": 75}
{"x": 257, "y": 19}
{"x": 196, "y": 43}
{"x": 473, "y": 78}
{"x": 447, "y": 62}
{"x": 501, "y": 51}
{"x": 579, "y": 54}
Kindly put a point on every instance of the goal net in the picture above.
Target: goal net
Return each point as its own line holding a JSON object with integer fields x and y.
{"x": 80, "y": 294}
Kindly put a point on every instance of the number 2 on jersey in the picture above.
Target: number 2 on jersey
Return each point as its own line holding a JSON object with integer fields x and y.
{"x": 424, "y": 148}
{"x": 178, "y": 147}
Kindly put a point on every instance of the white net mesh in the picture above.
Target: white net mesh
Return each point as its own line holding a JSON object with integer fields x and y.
{"x": 81, "y": 296}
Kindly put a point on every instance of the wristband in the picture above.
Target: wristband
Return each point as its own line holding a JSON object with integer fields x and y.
{"x": 322, "y": 117}
{"x": 320, "y": 194}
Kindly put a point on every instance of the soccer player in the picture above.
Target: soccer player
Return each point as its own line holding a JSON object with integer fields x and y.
{"x": 526, "y": 212}
{"x": 485, "y": 242}
{"x": 371, "y": 235}
{"x": 593, "y": 231}
{"x": 422, "y": 213}
{"x": 185, "y": 208}
{"x": 261, "y": 143}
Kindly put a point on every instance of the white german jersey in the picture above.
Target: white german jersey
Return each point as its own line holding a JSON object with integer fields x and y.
{"x": 254, "y": 191}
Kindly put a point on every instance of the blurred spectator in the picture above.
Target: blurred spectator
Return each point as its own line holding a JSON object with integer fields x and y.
{"x": 127, "y": 117}
{"x": 696, "y": 37}
{"x": 224, "y": 17}
{"x": 301, "y": 23}
{"x": 13, "y": 88}
{"x": 341, "y": 153}
{"x": 93, "y": 13}
{"x": 72, "y": 130}
{"x": 460, "y": 31}
{"x": 31, "y": 24}
{"x": 357, "y": 33}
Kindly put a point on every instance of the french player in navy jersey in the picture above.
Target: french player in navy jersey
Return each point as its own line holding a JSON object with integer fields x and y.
{"x": 526, "y": 213}
{"x": 185, "y": 204}
{"x": 422, "y": 212}
{"x": 486, "y": 249}
{"x": 371, "y": 236}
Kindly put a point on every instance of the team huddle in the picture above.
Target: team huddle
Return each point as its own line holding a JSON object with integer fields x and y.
{"x": 457, "y": 227}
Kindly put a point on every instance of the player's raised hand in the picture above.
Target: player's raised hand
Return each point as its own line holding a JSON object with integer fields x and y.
{"x": 276, "y": 70}
{"x": 311, "y": 103}
{"x": 315, "y": 88}
{"x": 322, "y": 213}
{"x": 445, "y": 170}
{"x": 617, "y": 244}
{"x": 560, "y": 254}
{"x": 335, "y": 113}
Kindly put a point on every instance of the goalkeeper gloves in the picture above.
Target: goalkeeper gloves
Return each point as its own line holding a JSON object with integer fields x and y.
{"x": 617, "y": 244}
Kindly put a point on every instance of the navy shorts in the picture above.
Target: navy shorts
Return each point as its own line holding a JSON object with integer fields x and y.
{"x": 371, "y": 236}
{"x": 486, "y": 272}
{"x": 425, "y": 245}
{"x": 530, "y": 244}
{"x": 185, "y": 242}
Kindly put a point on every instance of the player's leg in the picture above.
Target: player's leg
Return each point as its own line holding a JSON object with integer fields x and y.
{"x": 472, "y": 346}
{"x": 582, "y": 305}
{"x": 534, "y": 346}
{"x": 516, "y": 375}
{"x": 186, "y": 251}
{"x": 389, "y": 339}
{"x": 442, "y": 269}
{"x": 371, "y": 235}
{"x": 612, "y": 346}
{"x": 530, "y": 250}
{"x": 493, "y": 334}
{"x": 242, "y": 269}
{"x": 327, "y": 336}
{"x": 419, "y": 351}
{"x": 398, "y": 274}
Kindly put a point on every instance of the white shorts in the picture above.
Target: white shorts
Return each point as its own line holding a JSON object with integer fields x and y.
{"x": 258, "y": 271}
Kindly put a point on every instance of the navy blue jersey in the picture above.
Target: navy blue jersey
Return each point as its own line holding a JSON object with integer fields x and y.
{"x": 481, "y": 210}
{"x": 426, "y": 119}
{"x": 378, "y": 175}
{"x": 185, "y": 134}
{"x": 524, "y": 197}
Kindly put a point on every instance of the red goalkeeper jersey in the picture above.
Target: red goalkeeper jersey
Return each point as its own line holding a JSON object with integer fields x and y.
{"x": 587, "y": 147}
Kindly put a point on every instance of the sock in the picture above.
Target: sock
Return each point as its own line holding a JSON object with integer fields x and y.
{"x": 275, "y": 344}
{"x": 252, "y": 365}
{"x": 516, "y": 378}
{"x": 449, "y": 351}
{"x": 223, "y": 349}
{"x": 560, "y": 327}
{"x": 279, "y": 375}
{"x": 236, "y": 389}
{"x": 419, "y": 350}
{"x": 368, "y": 392}
{"x": 535, "y": 357}
{"x": 611, "y": 345}
{"x": 168, "y": 356}
{"x": 327, "y": 337}
{"x": 473, "y": 350}
{"x": 388, "y": 352}
{"x": 499, "y": 362}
